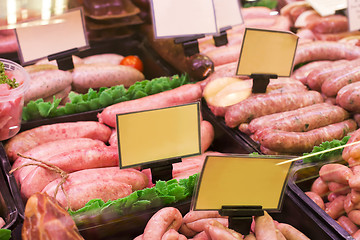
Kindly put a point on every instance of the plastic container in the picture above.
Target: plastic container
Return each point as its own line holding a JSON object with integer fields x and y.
{"x": 11, "y": 105}
{"x": 301, "y": 180}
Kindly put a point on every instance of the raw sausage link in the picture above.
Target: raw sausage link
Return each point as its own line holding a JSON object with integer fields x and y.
{"x": 316, "y": 77}
{"x": 105, "y": 183}
{"x": 347, "y": 224}
{"x": 332, "y": 85}
{"x": 79, "y": 159}
{"x": 351, "y": 151}
{"x": 291, "y": 233}
{"x": 336, "y": 208}
{"x": 217, "y": 231}
{"x": 335, "y": 172}
{"x": 320, "y": 187}
{"x": 301, "y": 73}
{"x": 163, "y": 220}
{"x": 265, "y": 104}
{"x": 348, "y": 97}
{"x": 339, "y": 188}
{"x": 325, "y": 50}
{"x": 305, "y": 119}
{"x": 265, "y": 227}
{"x": 300, "y": 142}
{"x": 184, "y": 94}
{"x": 354, "y": 216}
{"x": 26, "y": 140}
{"x": 317, "y": 199}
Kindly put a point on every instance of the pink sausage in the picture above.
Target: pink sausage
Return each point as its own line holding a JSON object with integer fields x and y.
{"x": 348, "y": 204}
{"x": 347, "y": 224}
{"x": 339, "y": 188}
{"x": 265, "y": 227}
{"x": 336, "y": 208}
{"x": 320, "y": 187}
{"x": 348, "y": 97}
{"x": 172, "y": 234}
{"x": 207, "y": 135}
{"x": 301, "y": 73}
{"x": 351, "y": 151}
{"x": 26, "y": 140}
{"x": 317, "y": 199}
{"x": 184, "y": 94}
{"x": 217, "y": 232}
{"x": 163, "y": 220}
{"x": 356, "y": 235}
{"x": 71, "y": 161}
{"x": 354, "y": 216}
{"x": 332, "y": 196}
{"x": 354, "y": 182}
{"x": 335, "y": 173}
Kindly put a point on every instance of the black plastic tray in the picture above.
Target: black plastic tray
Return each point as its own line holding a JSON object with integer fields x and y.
{"x": 8, "y": 210}
{"x": 300, "y": 182}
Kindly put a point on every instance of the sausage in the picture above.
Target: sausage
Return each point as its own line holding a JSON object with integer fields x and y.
{"x": 348, "y": 97}
{"x": 26, "y": 140}
{"x": 184, "y": 94}
{"x": 331, "y": 86}
{"x": 354, "y": 182}
{"x": 224, "y": 54}
{"x": 98, "y": 75}
{"x": 45, "y": 151}
{"x": 2, "y": 222}
{"x": 301, "y": 73}
{"x": 163, "y": 220}
{"x": 335, "y": 172}
{"x": 355, "y": 196}
{"x": 316, "y": 77}
{"x": 336, "y": 207}
{"x": 70, "y": 161}
{"x": 348, "y": 204}
{"x": 325, "y": 50}
{"x": 256, "y": 12}
{"x": 110, "y": 58}
{"x": 345, "y": 37}
{"x": 107, "y": 183}
{"x": 207, "y": 135}
{"x": 217, "y": 231}
{"x": 283, "y": 84}
{"x": 46, "y": 83}
{"x": 279, "y": 235}
{"x": 331, "y": 197}
{"x": 201, "y": 236}
{"x": 265, "y": 227}
{"x": 172, "y": 234}
{"x": 300, "y": 142}
{"x": 61, "y": 94}
{"x": 349, "y": 151}
{"x": 330, "y": 24}
{"x": 339, "y": 188}
{"x": 320, "y": 187}
{"x": 113, "y": 138}
{"x": 356, "y": 235}
{"x": 317, "y": 199}
{"x": 347, "y": 224}
{"x": 303, "y": 119}
{"x": 265, "y": 104}
{"x": 291, "y": 233}
{"x": 354, "y": 216}
{"x": 76, "y": 60}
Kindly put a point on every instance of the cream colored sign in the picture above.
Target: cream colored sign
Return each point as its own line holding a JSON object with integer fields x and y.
{"x": 267, "y": 52}
{"x": 227, "y": 13}
{"x": 327, "y": 7}
{"x": 175, "y": 18}
{"x": 39, "y": 41}
{"x": 241, "y": 181}
{"x": 353, "y": 13}
{"x": 154, "y": 135}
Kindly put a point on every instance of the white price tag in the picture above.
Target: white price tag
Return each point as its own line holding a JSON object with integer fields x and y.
{"x": 179, "y": 18}
{"x": 227, "y": 13}
{"x": 353, "y": 13}
{"x": 327, "y": 7}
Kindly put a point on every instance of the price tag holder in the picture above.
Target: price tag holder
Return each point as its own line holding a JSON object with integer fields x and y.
{"x": 58, "y": 41}
{"x": 242, "y": 185}
{"x": 327, "y": 7}
{"x": 157, "y": 138}
{"x": 266, "y": 54}
{"x": 353, "y": 13}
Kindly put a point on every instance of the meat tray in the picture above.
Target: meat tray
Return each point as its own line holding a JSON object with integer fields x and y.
{"x": 300, "y": 182}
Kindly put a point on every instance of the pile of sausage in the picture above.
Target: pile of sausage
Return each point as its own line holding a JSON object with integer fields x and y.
{"x": 100, "y": 70}
{"x": 168, "y": 223}
{"x": 87, "y": 152}
{"x": 337, "y": 189}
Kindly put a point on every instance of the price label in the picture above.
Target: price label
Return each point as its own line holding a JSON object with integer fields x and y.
{"x": 241, "y": 180}
{"x": 178, "y": 18}
{"x": 327, "y": 7}
{"x": 151, "y": 136}
{"x": 353, "y": 13}
{"x": 65, "y": 32}
{"x": 227, "y": 14}
{"x": 267, "y": 52}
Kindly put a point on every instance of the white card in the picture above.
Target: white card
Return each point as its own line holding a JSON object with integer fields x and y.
{"x": 327, "y": 7}
{"x": 353, "y": 13}
{"x": 227, "y": 13}
{"x": 179, "y": 18}
{"x": 39, "y": 41}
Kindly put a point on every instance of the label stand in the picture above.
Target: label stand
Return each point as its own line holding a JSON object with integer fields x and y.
{"x": 221, "y": 39}
{"x": 64, "y": 59}
{"x": 161, "y": 170}
{"x": 190, "y": 44}
{"x": 240, "y": 217}
{"x": 260, "y": 82}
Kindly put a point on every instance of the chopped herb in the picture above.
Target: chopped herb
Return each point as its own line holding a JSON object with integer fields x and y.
{"x": 4, "y": 79}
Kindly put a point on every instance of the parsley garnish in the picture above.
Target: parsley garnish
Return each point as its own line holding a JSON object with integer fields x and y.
{"x": 4, "y": 79}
